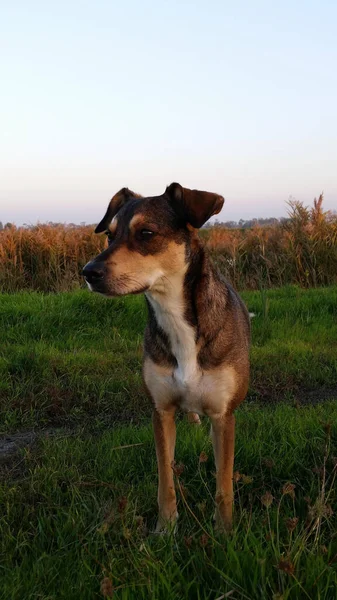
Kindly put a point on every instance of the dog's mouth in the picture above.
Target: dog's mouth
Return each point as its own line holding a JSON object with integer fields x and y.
{"x": 112, "y": 293}
{"x": 94, "y": 287}
{"x": 112, "y": 288}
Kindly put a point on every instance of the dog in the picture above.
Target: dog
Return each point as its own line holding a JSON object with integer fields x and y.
{"x": 196, "y": 343}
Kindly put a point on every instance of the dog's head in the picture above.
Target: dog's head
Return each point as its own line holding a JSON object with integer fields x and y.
{"x": 148, "y": 238}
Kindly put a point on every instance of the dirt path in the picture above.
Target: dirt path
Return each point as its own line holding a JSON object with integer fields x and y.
{"x": 11, "y": 444}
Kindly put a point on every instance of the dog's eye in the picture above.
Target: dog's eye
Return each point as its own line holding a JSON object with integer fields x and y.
{"x": 146, "y": 234}
{"x": 110, "y": 236}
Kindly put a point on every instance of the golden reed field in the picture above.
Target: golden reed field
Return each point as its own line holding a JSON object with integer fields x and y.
{"x": 300, "y": 250}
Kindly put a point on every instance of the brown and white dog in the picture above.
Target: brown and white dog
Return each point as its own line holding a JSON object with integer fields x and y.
{"x": 196, "y": 347}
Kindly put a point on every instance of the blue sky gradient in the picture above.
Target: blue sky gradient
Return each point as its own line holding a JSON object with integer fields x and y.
{"x": 236, "y": 98}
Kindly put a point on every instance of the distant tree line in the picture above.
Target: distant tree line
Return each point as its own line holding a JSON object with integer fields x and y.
{"x": 242, "y": 224}
{"x": 7, "y": 226}
{"x": 247, "y": 224}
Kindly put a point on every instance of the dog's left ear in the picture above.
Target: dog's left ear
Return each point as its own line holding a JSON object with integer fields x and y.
{"x": 194, "y": 206}
{"x": 116, "y": 203}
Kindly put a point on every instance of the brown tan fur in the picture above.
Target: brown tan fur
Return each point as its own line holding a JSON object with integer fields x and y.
{"x": 196, "y": 343}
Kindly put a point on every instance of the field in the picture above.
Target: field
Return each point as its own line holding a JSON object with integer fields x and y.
{"x": 78, "y": 489}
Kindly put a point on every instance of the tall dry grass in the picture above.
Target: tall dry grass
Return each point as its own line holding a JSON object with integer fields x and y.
{"x": 47, "y": 258}
{"x": 302, "y": 250}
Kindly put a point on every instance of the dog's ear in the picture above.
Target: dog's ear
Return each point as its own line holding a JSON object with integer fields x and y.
{"x": 116, "y": 203}
{"x": 193, "y": 206}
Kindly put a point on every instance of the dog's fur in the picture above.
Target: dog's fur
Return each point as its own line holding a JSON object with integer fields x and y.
{"x": 196, "y": 347}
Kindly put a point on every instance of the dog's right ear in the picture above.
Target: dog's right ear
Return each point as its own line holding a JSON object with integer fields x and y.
{"x": 116, "y": 203}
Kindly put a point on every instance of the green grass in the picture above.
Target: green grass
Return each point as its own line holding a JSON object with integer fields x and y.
{"x": 83, "y": 507}
{"x": 79, "y": 505}
{"x": 76, "y": 356}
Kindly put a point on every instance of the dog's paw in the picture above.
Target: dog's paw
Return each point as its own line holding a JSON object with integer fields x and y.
{"x": 222, "y": 525}
{"x": 166, "y": 526}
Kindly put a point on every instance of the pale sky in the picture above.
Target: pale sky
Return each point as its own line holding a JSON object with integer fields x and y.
{"x": 237, "y": 98}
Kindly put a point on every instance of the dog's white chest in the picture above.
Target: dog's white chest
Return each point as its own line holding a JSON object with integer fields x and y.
{"x": 170, "y": 317}
{"x": 186, "y": 383}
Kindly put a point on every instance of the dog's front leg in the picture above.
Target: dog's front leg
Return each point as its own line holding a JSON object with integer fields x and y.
{"x": 223, "y": 434}
{"x": 165, "y": 439}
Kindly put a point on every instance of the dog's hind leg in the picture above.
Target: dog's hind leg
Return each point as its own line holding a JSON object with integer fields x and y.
{"x": 165, "y": 437}
{"x": 193, "y": 418}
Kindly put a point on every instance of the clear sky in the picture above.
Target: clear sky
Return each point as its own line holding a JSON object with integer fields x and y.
{"x": 238, "y": 98}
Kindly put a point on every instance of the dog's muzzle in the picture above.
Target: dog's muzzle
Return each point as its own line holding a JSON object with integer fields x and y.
{"x": 93, "y": 272}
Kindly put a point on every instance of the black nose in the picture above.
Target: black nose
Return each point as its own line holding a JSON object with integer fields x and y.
{"x": 93, "y": 272}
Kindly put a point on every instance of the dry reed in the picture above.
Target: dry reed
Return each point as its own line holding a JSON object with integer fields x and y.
{"x": 301, "y": 250}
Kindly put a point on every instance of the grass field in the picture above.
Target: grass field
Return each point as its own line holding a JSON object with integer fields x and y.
{"x": 78, "y": 500}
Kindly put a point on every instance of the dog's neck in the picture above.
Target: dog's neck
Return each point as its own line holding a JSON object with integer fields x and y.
{"x": 175, "y": 292}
